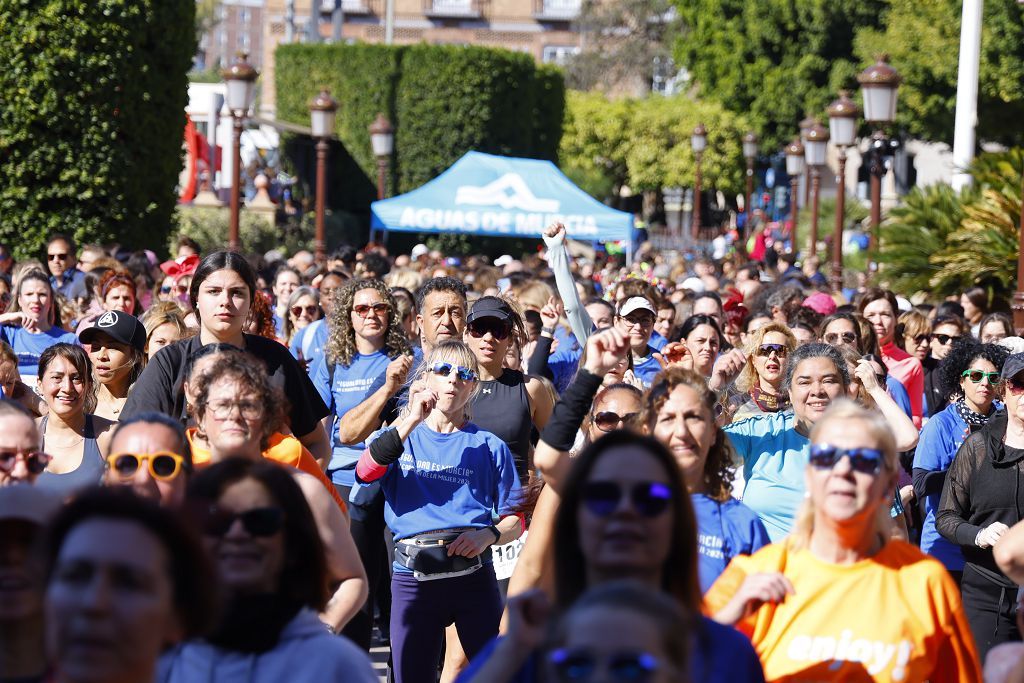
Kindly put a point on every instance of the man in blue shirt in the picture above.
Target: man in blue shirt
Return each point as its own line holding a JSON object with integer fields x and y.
{"x": 65, "y": 278}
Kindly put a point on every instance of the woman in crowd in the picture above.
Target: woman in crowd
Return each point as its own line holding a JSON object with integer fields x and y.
{"x": 975, "y": 304}
{"x": 679, "y": 411}
{"x": 125, "y": 580}
{"x": 810, "y": 603}
{"x": 760, "y": 382}
{"x": 994, "y": 327}
{"x": 116, "y": 346}
{"x": 31, "y": 324}
{"x": 222, "y": 294}
{"x": 913, "y": 334}
{"x": 616, "y": 406}
{"x": 880, "y": 308}
{"x": 703, "y": 338}
{"x": 842, "y": 329}
{"x": 303, "y": 309}
{"x": 773, "y": 447}
{"x": 164, "y": 324}
{"x": 981, "y": 498}
{"x": 970, "y": 374}
{"x": 272, "y": 566}
{"x": 77, "y": 440}
{"x": 261, "y": 318}
{"x": 438, "y": 470}
{"x": 149, "y": 453}
{"x": 12, "y": 386}
{"x": 116, "y": 292}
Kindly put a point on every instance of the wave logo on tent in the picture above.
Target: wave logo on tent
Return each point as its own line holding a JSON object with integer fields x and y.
{"x": 509, "y": 192}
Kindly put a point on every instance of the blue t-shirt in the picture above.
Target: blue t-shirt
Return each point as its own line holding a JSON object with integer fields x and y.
{"x": 311, "y": 340}
{"x": 278, "y": 326}
{"x": 646, "y": 369}
{"x": 940, "y": 440}
{"x": 657, "y": 342}
{"x": 30, "y": 346}
{"x": 352, "y": 385}
{"x": 445, "y": 481}
{"x": 563, "y": 366}
{"x": 774, "y": 457}
{"x": 724, "y": 530}
{"x": 898, "y": 392}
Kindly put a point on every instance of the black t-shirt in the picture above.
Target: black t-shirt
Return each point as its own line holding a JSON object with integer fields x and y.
{"x": 159, "y": 388}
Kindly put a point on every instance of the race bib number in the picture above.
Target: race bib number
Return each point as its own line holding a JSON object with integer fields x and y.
{"x": 505, "y": 557}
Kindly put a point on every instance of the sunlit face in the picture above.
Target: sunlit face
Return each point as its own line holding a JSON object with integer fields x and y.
{"x": 918, "y": 346}
{"x": 443, "y": 318}
{"x": 638, "y": 326}
{"x": 111, "y": 360}
{"x": 687, "y": 427}
{"x": 247, "y": 563}
{"x": 9, "y": 378}
{"x": 708, "y": 306}
{"x": 328, "y": 286}
{"x": 945, "y": 332}
{"x": 162, "y": 335}
{"x": 142, "y": 438}
{"x": 59, "y": 257}
{"x": 979, "y": 396}
{"x": 109, "y": 604}
{"x": 64, "y": 388}
{"x": 882, "y": 318}
{"x": 993, "y": 331}
{"x": 452, "y": 393}
{"x": 703, "y": 344}
{"x": 771, "y": 368}
{"x": 753, "y": 325}
{"x": 285, "y": 283}
{"x": 18, "y": 434}
{"x": 487, "y": 348}
{"x": 604, "y": 633}
{"x": 373, "y": 324}
{"x": 621, "y": 402}
{"x": 120, "y": 298}
{"x": 601, "y": 315}
{"x": 803, "y": 335}
{"x": 231, "y": 433}
{"x": 970, "y": 310}
{"x": 223, "y": 301}
{"x": 816, "y": 383}
{"x": 35, "y": 298}
{"x": 665, "y": 322}
{"x": 304, "y": 311}
{"x": 841, "y": 495}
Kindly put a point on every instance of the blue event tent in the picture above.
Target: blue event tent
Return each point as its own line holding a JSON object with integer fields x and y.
{"x": 488, "y": 195}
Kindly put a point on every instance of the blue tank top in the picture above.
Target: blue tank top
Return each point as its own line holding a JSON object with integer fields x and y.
{"x": 88, "y": 473}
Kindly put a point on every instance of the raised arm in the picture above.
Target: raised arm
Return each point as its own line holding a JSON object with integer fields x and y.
{"x": 902, "y": 426}
{"x": 558, "y": 261}
{"x": 359, "y": 422}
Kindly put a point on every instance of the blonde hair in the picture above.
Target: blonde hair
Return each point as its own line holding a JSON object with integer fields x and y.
{"x": 451, "y": 351}
{"x": 532, "y": 294}
{"x": 406, "y": 278}
{"x": 162, "y": 313}
{"x": 747, "y": 379}
{"x": 911, "y": 324}
{"x": 875, "y": 426}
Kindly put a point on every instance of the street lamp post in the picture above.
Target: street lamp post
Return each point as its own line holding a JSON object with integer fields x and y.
{"x": 382, "y": 140}
{"x": 794, "y": 168}
{"x": 698, "y": 143}
{"x": 805, "y": 126}
{"x": 750, "y": 154}
{"x": 842, "y": 123}
{"x": 815, "y": 151}
{"x": 878, "y": 85}
{"x": 322, "y": 110}
{"x": 240, "y": 79}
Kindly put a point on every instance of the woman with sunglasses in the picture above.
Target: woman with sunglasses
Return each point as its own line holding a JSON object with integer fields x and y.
{"x": 444, "y": 479}
{"x": 617, "y": 406}
{"x": 760, "y": 382}
{"x": 970, "y": 374}
{"x": 981, "y": 498}
{"x": 303, "y": 309}
{"x": 76, "y": 439}
{"x": 221, "y": 294}
{"x": 809, "y": 602}
{"x": 32, "y": 324}
{"x": 150, "y": 454}
{"x": 841, "y": 329}
{"x": 273, "y": 569}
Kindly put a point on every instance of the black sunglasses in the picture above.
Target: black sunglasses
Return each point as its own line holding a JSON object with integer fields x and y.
{"x": 35, "y": 461}
{"x": 864, "y": 460}
{"x": 946, "y": 338}
{"x": 766, "y": 350}
{"x": 649, "y": 498}
{"x": 622, "y": 667}
{"x": 499, "y": 329}
{"x": 607, "y": 420}
{"x": 261, "y": 522}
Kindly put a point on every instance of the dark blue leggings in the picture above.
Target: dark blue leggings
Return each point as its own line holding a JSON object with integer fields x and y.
{"x": 420, "y": 611}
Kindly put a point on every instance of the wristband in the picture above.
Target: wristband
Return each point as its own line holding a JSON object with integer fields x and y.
{"x": 387, "y": 448}
{"x": 568, "y": 413}
{"x": 497, "y": 534}
{"x": 547, "y": 330}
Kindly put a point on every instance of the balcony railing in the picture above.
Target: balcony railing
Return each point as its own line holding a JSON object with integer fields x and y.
{"x": 451, "y": 8}
{"x": 556, "y": 10}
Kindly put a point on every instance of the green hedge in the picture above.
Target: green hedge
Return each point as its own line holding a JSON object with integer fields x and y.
{"x": 91, "y": 123}
{"x": 443, "y": 101}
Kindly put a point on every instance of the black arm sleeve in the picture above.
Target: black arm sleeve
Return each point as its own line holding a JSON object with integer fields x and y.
{"x": 538, "y": 364}
{"x": 568, "y": 414}
{"x": 928, "y": 482}
{"x": 387, "y": 447}
{"x": 955, "y": 504}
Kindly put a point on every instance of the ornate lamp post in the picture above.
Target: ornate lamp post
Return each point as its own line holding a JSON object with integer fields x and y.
{"x": 805, "y": 126}
{"x": 842, "y": 123}
{"x": 698, "y": 143}
{"x": 240, "y": 79}
{"x": 322, "y": 110}
{"x": 815, "y": 150}
{"x": 382, "y": 140}
{"x": 878, "y": 85}
{"x": 750, "y": 154}
{"x": 794, "y": 169}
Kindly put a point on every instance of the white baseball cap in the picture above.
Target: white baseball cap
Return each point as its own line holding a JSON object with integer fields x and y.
{"x": 503, "y": 260}
{"x": 636, "y": 303}
{"x": 419, "y": 250}
{"x": 694, "y": 284}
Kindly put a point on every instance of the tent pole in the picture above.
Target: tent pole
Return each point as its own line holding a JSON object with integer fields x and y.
{"x": 629, "y": 252}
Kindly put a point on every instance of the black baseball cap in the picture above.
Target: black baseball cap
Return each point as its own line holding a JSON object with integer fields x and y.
{"x": 490, "y": 307}
{"x": 1013, "y": 366}
{"x": 121, "y": 327}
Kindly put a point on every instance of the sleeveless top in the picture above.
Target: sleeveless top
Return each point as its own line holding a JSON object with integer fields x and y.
{"x": 88, "y": 473}
{"x": 502, "y": 407}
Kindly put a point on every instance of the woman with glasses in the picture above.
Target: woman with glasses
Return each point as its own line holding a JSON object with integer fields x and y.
{"x": 841, "y": 329}
{"x": 635, "y": 318}
{"x": 273, "y": 570}
{"x": 450, "y": 489}
{"x": 970, "y": 374}
{"x": 995, "y": 327}
{"x": 76, "y": 439}
{"x": 509, "y": 404}
{"x": 982, "y": 496}
{"x": 617, "y": 406}
{"x": 810, "y": 603}
{"x": 21, "y": 458}
{"x": 760, "y": 382}
{"x": 149, "y": 453}
{"x": 303, "y": 310}
{"x": 32, "y": 324}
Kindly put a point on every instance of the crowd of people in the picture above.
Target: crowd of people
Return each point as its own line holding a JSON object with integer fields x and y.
{"x": 238, "y": 467}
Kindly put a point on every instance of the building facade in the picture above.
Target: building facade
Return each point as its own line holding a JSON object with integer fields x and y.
{"x": 238, "y": 28}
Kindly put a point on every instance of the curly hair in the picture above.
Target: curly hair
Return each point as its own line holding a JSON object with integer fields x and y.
{"x": 718, "y": 468}
{"x": 341, "y": 337}
{"x": 251, "y": 374}
{"x": 748, "y": 376}
{"x": 965, "y": 350}
{"x": 262, "y": 316}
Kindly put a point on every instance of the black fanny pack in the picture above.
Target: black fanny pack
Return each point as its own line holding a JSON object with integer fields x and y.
{"x": 427, "y": 556}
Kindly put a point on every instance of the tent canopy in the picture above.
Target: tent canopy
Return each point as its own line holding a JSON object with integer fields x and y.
{"x": 484, "y": 194}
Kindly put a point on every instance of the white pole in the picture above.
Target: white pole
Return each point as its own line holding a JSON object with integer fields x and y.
{"x": 967, "y": 92}
{"x": 389, "y": 22}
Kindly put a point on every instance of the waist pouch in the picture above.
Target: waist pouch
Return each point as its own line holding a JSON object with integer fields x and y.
{"x": 427, "y": 556}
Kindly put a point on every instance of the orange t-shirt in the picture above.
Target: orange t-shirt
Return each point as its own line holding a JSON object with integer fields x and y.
{"x": 281, "y": 448}
{"x": 892, "y": 618}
